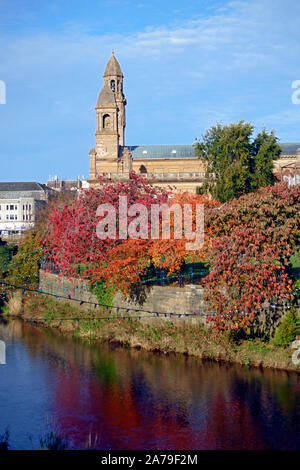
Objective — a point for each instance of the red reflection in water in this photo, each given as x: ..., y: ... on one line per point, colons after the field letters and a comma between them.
x: 134, y: 400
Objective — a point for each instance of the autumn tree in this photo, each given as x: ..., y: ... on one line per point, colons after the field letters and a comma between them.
x: 71, y: 239
x: 127, y: 263
x: 254, y: 238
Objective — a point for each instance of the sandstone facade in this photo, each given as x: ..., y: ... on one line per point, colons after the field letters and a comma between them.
x: 163, y: 165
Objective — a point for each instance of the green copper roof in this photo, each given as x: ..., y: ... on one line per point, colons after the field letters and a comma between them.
x: 186, y: 151
x: 290, y: 148
x: 162, y: 151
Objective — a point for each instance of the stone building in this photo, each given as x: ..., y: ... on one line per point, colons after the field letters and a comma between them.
x: 163, y: 165
x: 65, y: 185
x: 20, y: 206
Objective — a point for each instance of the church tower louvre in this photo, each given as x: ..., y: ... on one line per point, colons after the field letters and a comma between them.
x: 110, y: 121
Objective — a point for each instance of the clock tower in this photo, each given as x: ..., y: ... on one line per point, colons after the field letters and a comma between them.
x: 110, y: 120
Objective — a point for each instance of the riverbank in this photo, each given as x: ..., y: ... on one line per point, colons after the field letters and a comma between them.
x: 158, y: 335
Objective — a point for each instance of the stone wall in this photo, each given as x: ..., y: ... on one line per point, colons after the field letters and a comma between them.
x: 167, y: 299
x: 189, y: 299
x: 64, y: 287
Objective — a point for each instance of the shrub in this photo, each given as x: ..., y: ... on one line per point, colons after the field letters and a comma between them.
x: 25, y: 265
x: 103, y: 292
x: 253, y: 238
x: 287, y: 331
x: 7, y: 251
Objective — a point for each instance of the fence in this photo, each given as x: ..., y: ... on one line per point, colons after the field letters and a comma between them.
x: 188, y: 274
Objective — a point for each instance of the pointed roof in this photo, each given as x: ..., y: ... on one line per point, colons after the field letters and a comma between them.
x: 113, y: 67
x: 106, y: 97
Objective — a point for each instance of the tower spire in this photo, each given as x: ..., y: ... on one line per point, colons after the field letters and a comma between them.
x: 110, y: 118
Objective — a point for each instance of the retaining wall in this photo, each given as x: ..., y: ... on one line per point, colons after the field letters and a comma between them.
x: 179, y: 300
x: 162, y: 299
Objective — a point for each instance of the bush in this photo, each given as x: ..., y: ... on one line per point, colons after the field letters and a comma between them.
x: 287, y: 331
x: 253, y: 238
x: 103, y: 292
x: 7, y: 251
x: 25, y: 265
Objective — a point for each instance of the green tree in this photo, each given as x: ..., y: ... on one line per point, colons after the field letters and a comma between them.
x: 235, y: 163
x: 25, y: 265
x: 265, y: 150
x: 7, y: 251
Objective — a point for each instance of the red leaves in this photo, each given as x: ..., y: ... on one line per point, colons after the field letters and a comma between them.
x: 255, y: 236
x: 71, y: 234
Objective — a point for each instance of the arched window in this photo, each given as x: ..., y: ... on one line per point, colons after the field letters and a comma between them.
x: 106, y: 121
x: 113, y: 85
x: 143, y: 169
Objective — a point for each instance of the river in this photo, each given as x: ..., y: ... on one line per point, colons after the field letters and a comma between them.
x: 129, y: 399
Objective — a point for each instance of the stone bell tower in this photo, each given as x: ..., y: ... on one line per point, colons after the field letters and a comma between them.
x: 110, y: 122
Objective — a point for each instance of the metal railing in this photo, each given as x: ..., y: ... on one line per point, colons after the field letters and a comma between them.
x: 190, y: 273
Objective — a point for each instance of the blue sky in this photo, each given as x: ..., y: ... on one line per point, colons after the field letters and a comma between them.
x: 187, y: 64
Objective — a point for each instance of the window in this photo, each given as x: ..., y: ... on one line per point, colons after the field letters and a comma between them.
x: 106, y: 121
x: 7, y: 217
x: 11, y: 207
x: 143, y: 169
x: 113, y: 85
x: 11, y: 217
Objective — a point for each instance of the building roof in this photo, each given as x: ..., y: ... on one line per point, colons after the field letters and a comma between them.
x: 290, y: 148
x: 23, y: 189
x: 22, y: 186
x: 113, y: 67
x: 162, y: 151
x: 186, y: 151
x: 106, y: 97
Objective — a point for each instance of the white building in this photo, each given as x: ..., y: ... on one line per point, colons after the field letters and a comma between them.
x: 65, y: 185
x: 20, y: 205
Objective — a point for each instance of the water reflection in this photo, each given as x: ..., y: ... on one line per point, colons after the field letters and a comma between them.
x: 135, y: 400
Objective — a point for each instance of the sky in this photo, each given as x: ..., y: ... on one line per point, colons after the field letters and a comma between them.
x: 188, y: 64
